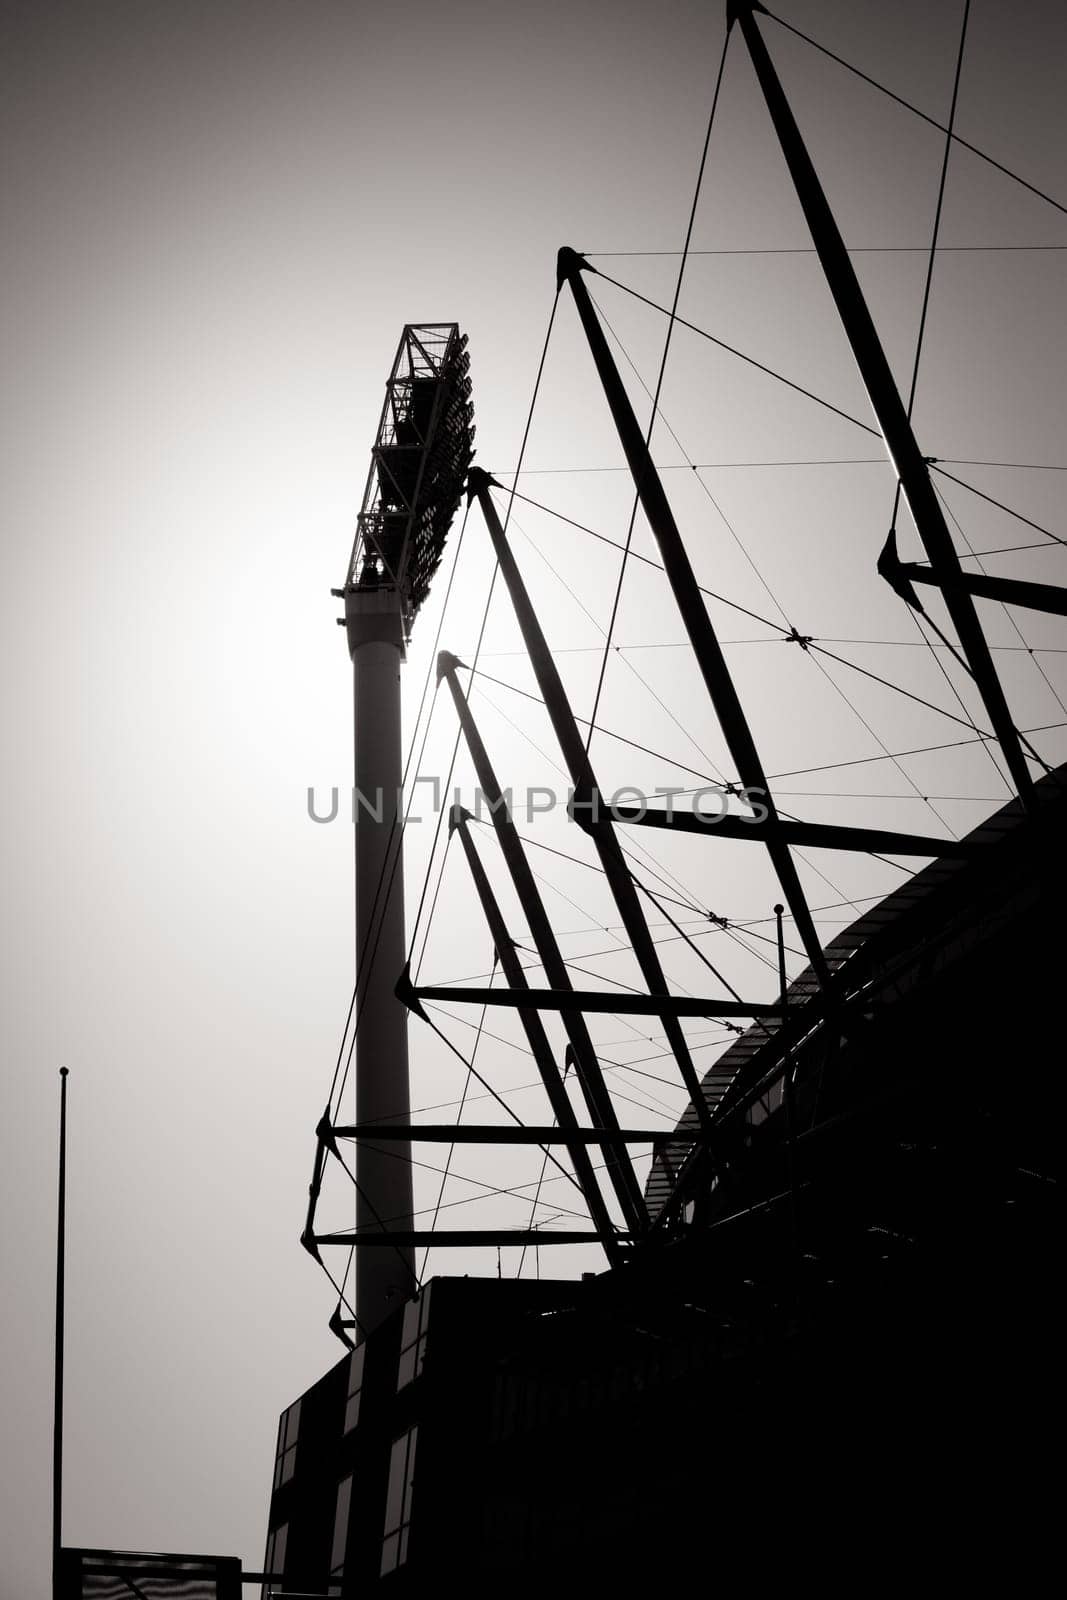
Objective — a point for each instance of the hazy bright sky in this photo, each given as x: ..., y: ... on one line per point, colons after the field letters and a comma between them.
x: 218, y: 215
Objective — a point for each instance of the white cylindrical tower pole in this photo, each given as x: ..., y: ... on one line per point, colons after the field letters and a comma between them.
x: 418, y: 466
x: 375, y: 624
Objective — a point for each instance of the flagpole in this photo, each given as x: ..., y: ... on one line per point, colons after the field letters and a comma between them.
x: 57, y: 1433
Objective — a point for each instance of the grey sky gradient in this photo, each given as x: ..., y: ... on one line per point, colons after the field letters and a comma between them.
x: 217, y: 218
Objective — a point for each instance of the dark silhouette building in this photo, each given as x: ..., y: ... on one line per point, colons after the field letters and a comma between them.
x: 833, y: 1356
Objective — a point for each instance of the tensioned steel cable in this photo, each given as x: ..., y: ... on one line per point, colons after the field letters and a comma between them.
x: 522, y: 1088
x: 656, y: 900
x: 932, y: 254
x: 1020, y: 466
x: 917, y: 644
x: 517, y: 1191
x: 934, y: 462
x: 935, y: 466
x: 481, y: 636
x: 856, y: 760
x: 919, y: 750
x: 689, y: 904
x: 780, y: 377
x: 490, y: 1190
x: 814, y: 643
x: 1023, y: 644
x: 459, y: 1118
x: 992, y: 749
x: 624, y: 948
x: 536, y: 1201
x: 484, y: 1083
x: 676, y: 466
x: 651, y: 862
x: 659, y: 380
x: 712, y: 968
x: 882, y: 89
x: 682, y: 766
x: 879, y: 741
x: 649, y: 561
x: 913, y: 387
x: 810, y: 250
x: 632, y: 744
x: 648, y: 860
x: 342, y: 1299
x: 788, y: 630
x: 1022, y: 637
x: 664, y: 707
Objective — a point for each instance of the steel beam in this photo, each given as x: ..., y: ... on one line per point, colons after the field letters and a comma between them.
x: 885, y: 400
x: 508, y: 1133
x: 586, y: 1065
x: 450, y: 1238
x: 690, y: 603
x: 584, y: 781
x: 533, y: 1028
x: 1010, y: 591
x: 815, y: 835
x: 617, y: 1002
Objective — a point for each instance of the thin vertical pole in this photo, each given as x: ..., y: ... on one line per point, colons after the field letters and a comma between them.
x: 790, y: 1109
x: 885, y: 399
x: 57, y: 1426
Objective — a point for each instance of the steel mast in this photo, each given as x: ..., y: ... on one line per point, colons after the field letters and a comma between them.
x: 419, y: 461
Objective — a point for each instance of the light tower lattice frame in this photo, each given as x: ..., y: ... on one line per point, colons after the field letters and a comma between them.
x: 419, y: 461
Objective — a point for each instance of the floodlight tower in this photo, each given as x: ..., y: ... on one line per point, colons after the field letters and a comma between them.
x: 418, y: 465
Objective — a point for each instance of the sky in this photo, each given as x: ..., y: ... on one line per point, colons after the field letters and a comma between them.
x: 217, y: 219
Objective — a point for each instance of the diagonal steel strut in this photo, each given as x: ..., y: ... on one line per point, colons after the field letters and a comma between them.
x: 534, y: 1028
x: 587, y: 1067
x: 586, y: 787
x: 885, y: 400
x: 694, y: 613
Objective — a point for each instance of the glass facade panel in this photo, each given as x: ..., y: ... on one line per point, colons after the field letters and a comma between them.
x: 355, y: 1385
x: 398, y: 1501
x: 394, y: 1498
x: 411, y: 1322
x: 340, y: 1526
x: 292, y: 1424
x: 274, y: 1560
x: 406, y: 1369
x: 413, y: 1338
x: 288, y: 1428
